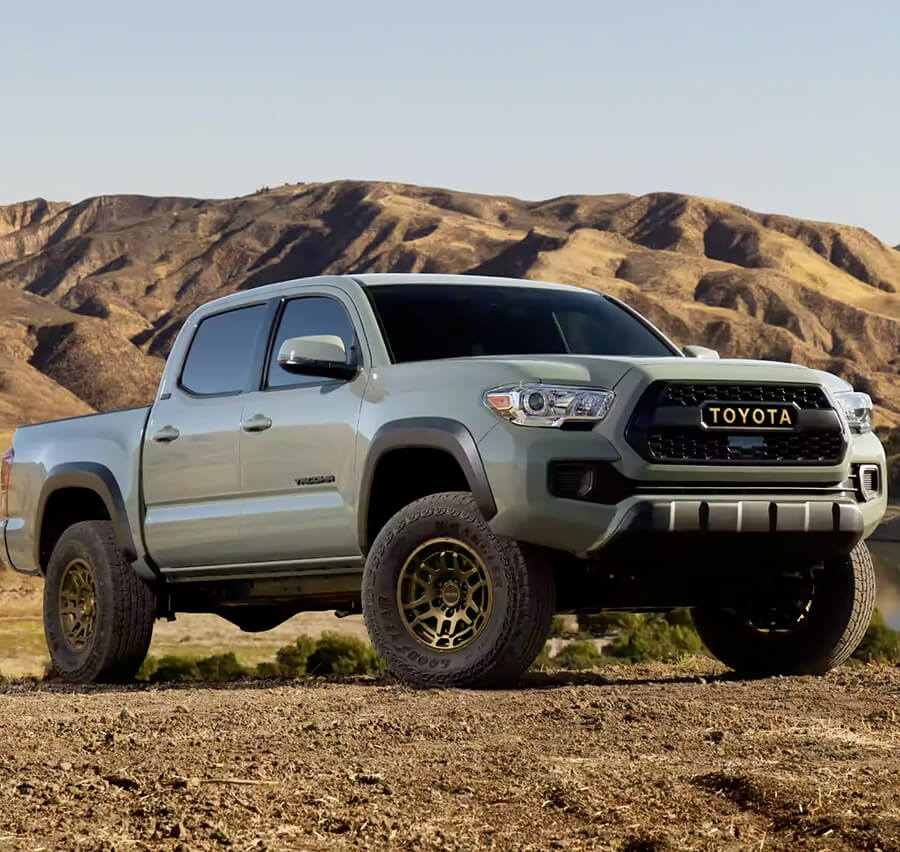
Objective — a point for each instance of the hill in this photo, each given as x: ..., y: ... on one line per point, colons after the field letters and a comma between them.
x: 92, y: 294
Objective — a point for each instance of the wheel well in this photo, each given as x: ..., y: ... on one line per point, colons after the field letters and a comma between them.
x: 405, y: 475
x: 64, y: 508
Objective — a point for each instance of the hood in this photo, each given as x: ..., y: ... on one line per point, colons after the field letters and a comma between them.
x: 607, y: 372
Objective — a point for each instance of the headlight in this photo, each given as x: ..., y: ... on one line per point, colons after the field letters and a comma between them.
x: 857, y: 408
x: 549, y: 405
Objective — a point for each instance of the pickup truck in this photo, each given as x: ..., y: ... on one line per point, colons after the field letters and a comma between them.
x: 458, y: 458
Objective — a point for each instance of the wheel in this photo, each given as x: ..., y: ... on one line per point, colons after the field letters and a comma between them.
x: 448, y: 603
x: 812, y: 622
x: 98, y: 614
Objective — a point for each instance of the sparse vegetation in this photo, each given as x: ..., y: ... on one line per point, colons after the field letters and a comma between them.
x: 582, y: 654
x: 881, y: 644
x: 604, y: 623
x: 170, y: 669
x: 655, y: 637
x: 332, y: 654
x: 559, y: 627
x: 291, y: 660
x: 637, y: 637
x: 336, y: 654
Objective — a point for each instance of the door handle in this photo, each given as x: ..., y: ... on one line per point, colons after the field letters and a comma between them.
x: 166, y: 435
x: 257, y: 423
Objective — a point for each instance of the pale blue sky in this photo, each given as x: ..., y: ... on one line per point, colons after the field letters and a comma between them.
x: 786, y: 107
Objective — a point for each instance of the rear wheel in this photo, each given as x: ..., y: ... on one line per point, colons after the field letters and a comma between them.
x: 448, y: 603
x: 812, y: 622
x: 98, y: 614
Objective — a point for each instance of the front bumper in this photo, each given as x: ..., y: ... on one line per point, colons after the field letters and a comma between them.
x: 713, y: 529
x: 684, y: 511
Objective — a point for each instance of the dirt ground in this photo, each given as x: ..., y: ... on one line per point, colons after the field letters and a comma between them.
x: 633, y: 758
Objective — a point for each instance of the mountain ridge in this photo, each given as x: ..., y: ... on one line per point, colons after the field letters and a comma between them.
x: 93, y: 293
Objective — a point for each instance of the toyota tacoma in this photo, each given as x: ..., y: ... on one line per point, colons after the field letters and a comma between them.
x: 458, y: 458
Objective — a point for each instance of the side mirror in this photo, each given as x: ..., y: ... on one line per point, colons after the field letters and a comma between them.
x: 699, y: 352
x: 316, y: 355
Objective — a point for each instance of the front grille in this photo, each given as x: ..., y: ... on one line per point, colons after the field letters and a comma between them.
x: 808, y: 397
x: 697, y: 445
x: 667, y: 425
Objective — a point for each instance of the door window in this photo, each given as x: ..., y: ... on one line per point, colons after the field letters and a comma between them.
x: 311, y: 315
x: 222, y: 352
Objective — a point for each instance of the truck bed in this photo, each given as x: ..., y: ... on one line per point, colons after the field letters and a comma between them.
x: 107, y: 445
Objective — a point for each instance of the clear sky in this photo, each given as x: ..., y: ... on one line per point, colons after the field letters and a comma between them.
x: 783, y: 106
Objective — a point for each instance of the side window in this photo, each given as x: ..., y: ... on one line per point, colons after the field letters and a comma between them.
x: 306, y: 316
x: 222, y: 352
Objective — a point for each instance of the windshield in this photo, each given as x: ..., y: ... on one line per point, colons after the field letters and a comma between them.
x: 428, y: 321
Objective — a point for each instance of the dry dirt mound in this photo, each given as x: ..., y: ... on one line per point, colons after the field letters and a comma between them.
x: 91, y: 292
x: 641, y: 759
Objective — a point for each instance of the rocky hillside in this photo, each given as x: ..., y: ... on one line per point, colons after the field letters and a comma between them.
x: 92, y: 294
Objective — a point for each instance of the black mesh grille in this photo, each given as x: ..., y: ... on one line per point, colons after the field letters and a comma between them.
x: 667, y: 425
x: 692, y: 394
x: 696, y: 445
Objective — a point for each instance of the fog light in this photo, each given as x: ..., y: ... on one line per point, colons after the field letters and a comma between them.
x: 869, y: 481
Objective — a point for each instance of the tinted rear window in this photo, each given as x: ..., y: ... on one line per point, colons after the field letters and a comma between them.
x: 428, y: 321
x: 222, y: 352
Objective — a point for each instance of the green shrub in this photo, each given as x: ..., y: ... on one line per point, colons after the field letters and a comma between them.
x: 147, y: 669
x: 654, y: 637
x: 604, y: 623
x: 680, y: 616
x: 174, y: 669
x: 577, y: 655
x: 220, y: 668
x: 337, y: 654
x: 881, y: 644
x: 543, y: 660
x: 268, y: 670
x: 559, y: 627
x: 292, y: 659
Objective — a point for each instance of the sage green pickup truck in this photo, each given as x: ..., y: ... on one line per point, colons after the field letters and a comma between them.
x: 458, y: 458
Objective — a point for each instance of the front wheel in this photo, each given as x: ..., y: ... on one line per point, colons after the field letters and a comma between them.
x: 809, y: 623
x: 98, y: 614
x: 449, y: 604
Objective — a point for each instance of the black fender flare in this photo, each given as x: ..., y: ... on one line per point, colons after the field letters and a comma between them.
x: 93, y: 477
x: 437, y: 433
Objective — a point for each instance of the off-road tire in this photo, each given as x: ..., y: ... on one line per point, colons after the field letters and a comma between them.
x: 839, y: 616
x: 523, y: 598
x: 125, y: 608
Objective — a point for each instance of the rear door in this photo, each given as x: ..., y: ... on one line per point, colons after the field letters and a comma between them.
x: 191, y: 470
x: 297, y: 473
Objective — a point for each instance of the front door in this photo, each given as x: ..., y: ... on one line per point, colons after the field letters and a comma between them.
x: 298, y: 446
x: 191, y: 474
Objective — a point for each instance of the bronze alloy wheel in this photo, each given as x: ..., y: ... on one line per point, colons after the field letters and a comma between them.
x: 77, y: 604
x: 444, y: 594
